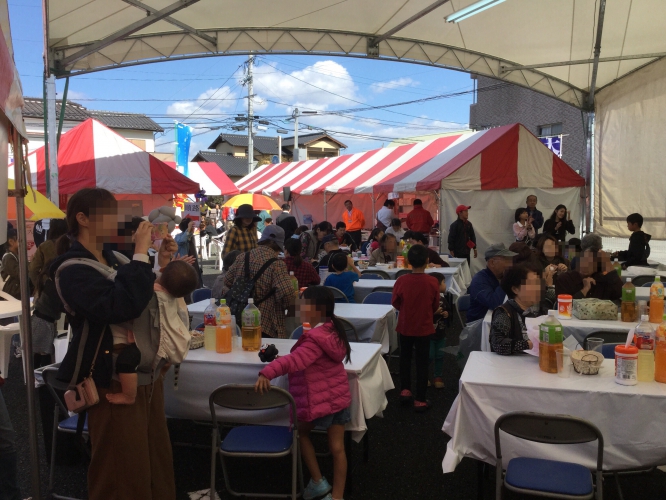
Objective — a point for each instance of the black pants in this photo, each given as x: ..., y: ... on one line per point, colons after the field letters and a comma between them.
x: 356, y: 236
x: 422, y: 347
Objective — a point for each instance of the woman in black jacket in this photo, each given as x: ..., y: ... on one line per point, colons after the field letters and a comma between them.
x: 131, y: 451
x: 559, y: 223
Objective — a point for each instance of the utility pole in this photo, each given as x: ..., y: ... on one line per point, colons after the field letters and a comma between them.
x: 250, y: 116
x: 279, y: 148
x: 295, y: 116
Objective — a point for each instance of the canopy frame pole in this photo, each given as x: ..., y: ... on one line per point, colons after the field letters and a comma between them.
x: 373, y: 198
x: 25, y: 326
x: 47, y: 170
x: 124, y: 33
x: 63, y: 104
x: 590, y: 118
x: 374, y: 42
x: 325, y: 207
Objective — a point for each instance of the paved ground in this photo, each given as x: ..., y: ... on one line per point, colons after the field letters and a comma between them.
x: 406, y: 450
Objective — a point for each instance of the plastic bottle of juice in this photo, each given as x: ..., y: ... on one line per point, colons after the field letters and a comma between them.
x: 550, y: 339
x: 251, y: 330
x: 644, y: 338
x: 629, y: 312
x: 617, y: 266
x: 223, y: 328
x: 660, y: 353
x: 656, y: 301
x: 209, y: 326
x: 294, y: 281
x: 405, y: 250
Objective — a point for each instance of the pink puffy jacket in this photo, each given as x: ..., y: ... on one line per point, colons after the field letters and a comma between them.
x: 317, y: 378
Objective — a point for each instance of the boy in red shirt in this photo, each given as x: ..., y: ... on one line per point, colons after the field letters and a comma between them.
x: 416, y: 296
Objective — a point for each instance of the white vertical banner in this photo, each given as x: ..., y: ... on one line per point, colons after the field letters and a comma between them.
x: 52, y: 137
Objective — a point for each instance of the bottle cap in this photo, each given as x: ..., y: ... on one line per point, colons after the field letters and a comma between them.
x: 212, y: 301
x: 223, y: 302
x: 628, y: 280
x: 552, y: 312
x: 644, y: 317
x: 250, y: 300
x: 291, y: 273
x: 657, y: 278
x: 306, y: 326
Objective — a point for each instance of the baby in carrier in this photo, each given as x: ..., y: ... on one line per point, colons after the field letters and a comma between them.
x: 178, y: 280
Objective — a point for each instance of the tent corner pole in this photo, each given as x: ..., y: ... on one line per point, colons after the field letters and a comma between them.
x: 25, y: 326
x: 63, y: 104
x: 325, y: 207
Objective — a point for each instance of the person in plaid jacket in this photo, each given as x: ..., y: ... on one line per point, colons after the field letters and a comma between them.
x: 243, y: 235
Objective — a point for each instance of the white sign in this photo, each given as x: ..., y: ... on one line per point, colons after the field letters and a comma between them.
x: 193, y: 211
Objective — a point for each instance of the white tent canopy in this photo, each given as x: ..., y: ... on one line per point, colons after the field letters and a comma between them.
x: 546, y: 46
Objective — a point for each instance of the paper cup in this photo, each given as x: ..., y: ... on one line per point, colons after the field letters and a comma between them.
x: 564, y: 363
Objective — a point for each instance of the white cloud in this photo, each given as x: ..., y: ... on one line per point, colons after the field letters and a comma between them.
x: 73, y: 95
x: 319, y: 86
x: 211, y: 102
x: 380, y: 87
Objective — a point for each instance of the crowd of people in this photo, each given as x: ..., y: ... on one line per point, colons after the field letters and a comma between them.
x: 114, y: 278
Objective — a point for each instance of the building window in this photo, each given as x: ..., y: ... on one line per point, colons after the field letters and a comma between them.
x: 549, y: 130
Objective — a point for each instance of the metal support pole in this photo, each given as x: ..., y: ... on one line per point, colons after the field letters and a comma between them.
x: 26, y: 334
x: 325, y: 207
x: 63, y: 105
x: 374, y: 214
x: 295, y: 114
x: 47, y: 170
x: 280, y: 152
x: 52, y: 145
x: 250, y: 117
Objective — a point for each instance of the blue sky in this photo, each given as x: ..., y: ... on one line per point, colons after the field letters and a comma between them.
x: 208, y: 92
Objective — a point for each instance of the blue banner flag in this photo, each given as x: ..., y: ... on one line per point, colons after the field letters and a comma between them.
x: 554, y: 143
x: 183, y: 138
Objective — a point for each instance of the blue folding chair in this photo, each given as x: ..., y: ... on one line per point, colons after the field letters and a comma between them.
x: 608, y: 350
x: 372, y: 276
x: 462, y: 305
x: 548, y: 478
x: 378, y: 298
x: 201, y: 294
x: 296, y: 334
x: 250, y: 441
x: 338, y: 295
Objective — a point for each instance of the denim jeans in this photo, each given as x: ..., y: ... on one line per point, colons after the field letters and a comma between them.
x: 8, y: 483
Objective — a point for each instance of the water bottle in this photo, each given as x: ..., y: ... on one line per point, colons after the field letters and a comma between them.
x: 294, y: 281
x: 629, y: 311
x: 644, y: 338
x: 223, y: 328
x: 617, y: 266
x: 210, y: 325
x: 251, y: 330
x: 550, y: 340
x: 660, y: 353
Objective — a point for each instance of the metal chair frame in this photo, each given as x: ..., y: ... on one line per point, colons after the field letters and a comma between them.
x: 642, y: 279
x: 459, y: 311
x: 549, y: 429
x: 402, y: 272
x: 388, y: 289
x: 377, y: 272
x: 53, y: 384
x: 244, y: 397
x: 609, y: 336
x: 338, y: 294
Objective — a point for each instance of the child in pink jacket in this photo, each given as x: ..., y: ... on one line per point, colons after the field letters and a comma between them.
x: 318, y: 382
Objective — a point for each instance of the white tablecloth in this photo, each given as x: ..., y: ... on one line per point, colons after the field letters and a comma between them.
x: 373, y: 323
x: 455, y: 282
x: 576, y: 327
x: 491, y: 385
x: 464, y: 269
x: 203, y: 371
x: 8, y: 309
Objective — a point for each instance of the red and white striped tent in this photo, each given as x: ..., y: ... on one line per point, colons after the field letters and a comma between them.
x: 493, y: 170
x: 93, y: 155
x: 210, y: 178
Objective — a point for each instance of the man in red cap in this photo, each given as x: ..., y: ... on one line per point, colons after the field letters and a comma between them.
x: 419, y: 219
x: 461, y: 235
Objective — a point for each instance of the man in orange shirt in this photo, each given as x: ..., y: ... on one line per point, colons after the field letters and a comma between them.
x: 419, y: 219
x: 355, y: 221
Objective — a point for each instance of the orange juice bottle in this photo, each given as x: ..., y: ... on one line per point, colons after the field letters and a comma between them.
x: 660, y: 353
x: 656, y: 300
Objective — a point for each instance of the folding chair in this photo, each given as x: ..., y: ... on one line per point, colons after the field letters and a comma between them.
x: 402, y: 272
x: 296, y: 334
x: 201, y: 294
x: 338, y: 295
x: 388, y: 289
x: 462, y: 305
x: 609, y: 336
x: 642, y: 280
x: 350, y: 330
x: 67, y: 425
x: 266, y: 441
x: 548, y: 478
x: 376, y: 274
x: 378, y: 298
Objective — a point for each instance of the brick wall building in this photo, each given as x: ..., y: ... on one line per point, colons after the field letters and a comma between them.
x: 542, y: 115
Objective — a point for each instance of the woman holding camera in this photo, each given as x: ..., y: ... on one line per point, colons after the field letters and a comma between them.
x: 131, y: 451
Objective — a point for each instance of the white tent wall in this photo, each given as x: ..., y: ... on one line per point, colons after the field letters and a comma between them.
x: 492, y: 213
x: 4, y: 140
x: 630, y: 152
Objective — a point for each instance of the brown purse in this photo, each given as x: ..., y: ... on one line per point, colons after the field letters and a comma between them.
x: 83, y: 395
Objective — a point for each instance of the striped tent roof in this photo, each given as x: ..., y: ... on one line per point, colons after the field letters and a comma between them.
x: 498, y: 158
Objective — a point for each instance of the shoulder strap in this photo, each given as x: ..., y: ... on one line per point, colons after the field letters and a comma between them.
x: 258, y: 275
x: 79, y: 354
x: 247, y: 265
x: 105, y: 271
